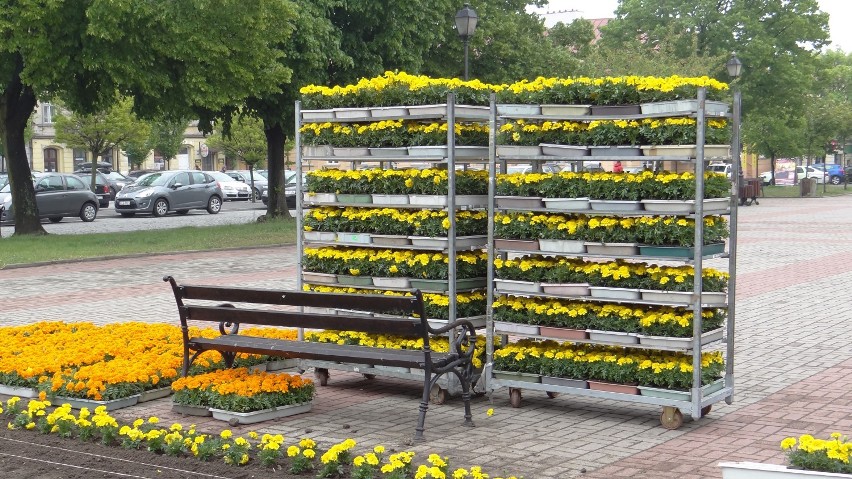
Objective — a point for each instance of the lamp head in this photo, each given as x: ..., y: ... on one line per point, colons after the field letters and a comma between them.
x: 466, y: 19
x: 734, y: 66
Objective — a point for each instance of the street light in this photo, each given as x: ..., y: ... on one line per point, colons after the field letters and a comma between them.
x: 466, y: 19
x: 735, y: 68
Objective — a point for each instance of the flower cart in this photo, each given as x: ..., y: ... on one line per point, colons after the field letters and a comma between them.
x: 404, y: 227
x: 642, y: 335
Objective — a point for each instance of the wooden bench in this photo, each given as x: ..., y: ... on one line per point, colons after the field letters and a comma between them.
x: 196, y: 303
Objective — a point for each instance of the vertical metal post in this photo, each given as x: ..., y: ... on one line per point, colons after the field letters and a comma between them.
x: 736, y: 149
x: 492, y: 191
x: 466, y: 45
x: 451, y: 206
x: 300, y: 246
x: 697, y: 319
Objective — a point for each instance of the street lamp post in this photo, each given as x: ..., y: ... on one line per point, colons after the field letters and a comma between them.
x: 735, y: 67
x: 466, y: 19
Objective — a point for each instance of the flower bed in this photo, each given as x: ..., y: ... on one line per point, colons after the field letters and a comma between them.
x: 392, y: 263
x: 390, y: 133
x: 665, y: 321
x: 603, y: 363
x: 391, y: 221
x: 437, y: 305
x: 239, y: 390
x: 826, y: 455
x: 104, y: 363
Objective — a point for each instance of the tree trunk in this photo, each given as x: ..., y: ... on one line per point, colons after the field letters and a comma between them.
x: 16, y: 105
x: 277, y: 207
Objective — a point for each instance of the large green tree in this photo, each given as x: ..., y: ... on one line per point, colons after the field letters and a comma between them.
x: 99, y: 132
x: 169, y: 56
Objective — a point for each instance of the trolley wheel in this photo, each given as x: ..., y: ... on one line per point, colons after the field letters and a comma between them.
x: 322, y: 376
x: 552, y: 394
x: 671, y: 417
x: 438, y: 395
x: 515, y: 397
x: 370, y: 376
x: 706, y: 410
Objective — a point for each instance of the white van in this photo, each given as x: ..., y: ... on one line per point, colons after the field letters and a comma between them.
x: 725, y: 168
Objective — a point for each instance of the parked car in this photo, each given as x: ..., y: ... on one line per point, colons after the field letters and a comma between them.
x: 545, y: 168
x: 102, y: 188
x: 114, y: 179
x: 724, y: 168
x: 289, y: 190
x: 3, y: 180
x: 173, y: 190
x: 134, y: 175
x: 836, y: 173
x: 231, y: 188
x: 802, y: 172
x: 58, y: 195
x: 245, y: 176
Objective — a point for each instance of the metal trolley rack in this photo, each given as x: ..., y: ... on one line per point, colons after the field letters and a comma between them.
x: 700, y: 399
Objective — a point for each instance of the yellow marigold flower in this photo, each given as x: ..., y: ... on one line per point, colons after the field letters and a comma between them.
x: 490, y: 412
x: 225, y: 434
x: 788, y: 443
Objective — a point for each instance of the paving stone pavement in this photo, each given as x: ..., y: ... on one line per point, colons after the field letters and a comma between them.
x: 792, y: 360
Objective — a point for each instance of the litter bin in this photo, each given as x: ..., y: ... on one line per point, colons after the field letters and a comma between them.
x: 808, y: 187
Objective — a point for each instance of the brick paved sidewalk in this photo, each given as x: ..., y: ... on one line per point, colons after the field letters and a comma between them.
x: 792, y: 356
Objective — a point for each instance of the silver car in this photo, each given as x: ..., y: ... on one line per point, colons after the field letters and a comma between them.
x: 58, y: 195
x: 161, y: 192
x: 245, y: 176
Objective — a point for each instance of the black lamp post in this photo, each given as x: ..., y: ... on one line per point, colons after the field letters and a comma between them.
x: 466, y: 19
x: 735, y: 68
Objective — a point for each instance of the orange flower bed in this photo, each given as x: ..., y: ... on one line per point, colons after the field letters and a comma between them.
x: 242, y: 391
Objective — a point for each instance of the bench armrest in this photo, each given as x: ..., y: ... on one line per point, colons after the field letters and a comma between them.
x: 466, y: 337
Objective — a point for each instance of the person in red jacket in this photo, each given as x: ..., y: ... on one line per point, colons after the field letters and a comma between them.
x: 617, y: 167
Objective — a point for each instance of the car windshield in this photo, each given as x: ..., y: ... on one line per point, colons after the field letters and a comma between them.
x: 263, y: 173
x: 3, y: 181
x: 114, y: 175
x: 6, y: 188
x: 717, y: 168
x: 153, y: 179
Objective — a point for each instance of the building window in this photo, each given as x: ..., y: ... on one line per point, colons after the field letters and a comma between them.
x: 48, y: 112
x: 50, y: 159
x: 79, y: 158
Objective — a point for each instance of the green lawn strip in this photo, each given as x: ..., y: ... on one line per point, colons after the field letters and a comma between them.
x: 38, y: 249
x: 795, y: 191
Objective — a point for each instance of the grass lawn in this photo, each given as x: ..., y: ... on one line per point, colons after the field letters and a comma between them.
x: 25, y: 250
x: 794, y: 191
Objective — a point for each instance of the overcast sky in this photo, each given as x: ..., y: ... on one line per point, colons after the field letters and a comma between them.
x: 838, y: 10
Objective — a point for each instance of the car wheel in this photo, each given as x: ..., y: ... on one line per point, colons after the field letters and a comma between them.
x: 182, y: 212
x: 161, y: 207
x: 127, y: 215
x: 214, y: 205
x: 835, y: 180
x: 55, y: 219
x: 256, y: 194
x: 88, y: 212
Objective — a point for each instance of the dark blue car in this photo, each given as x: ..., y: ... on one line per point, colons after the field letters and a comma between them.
x: 835, y: 171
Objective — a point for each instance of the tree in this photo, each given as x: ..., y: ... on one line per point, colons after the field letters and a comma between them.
x: 168, y: 56
x: 576, y: 36
x: 167, y: 137
x: 98, y: 132
x: 138, y: 147
x: 245, y: 141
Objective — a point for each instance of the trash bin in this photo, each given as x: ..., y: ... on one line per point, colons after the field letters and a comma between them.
x: 808, y: 187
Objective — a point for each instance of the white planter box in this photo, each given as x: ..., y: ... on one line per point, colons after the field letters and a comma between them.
x: 236, y: 418
x: 428, y: 151
x: 317, y: 151
x: 379, y: 200
x: 518, y: 201
x: 562, y: 246
x: 564, y: 151
x: 362, y: 238
x: 565, y: 382
x: 509, y: 285
x: 518, y: 150
x: 112, y: 405
x: 320, y: 197
x: 20, y: 392
x: 668, y: 206
x: 390, y: 240
x: 754, y: 470
x: 317, y: 115
x: 682, y: 297
x: 566, y: 110
x: 391, y: 282
x: 615, y: 205
x: 713, y: 205
x: 566, y: 289
x: 684, y: 106
x: 388, y: 112
x: 352, y: 113
x: 350, y: 152
x: 471, y: 201
x: 614, y: 293
x: 153, y: 394
x: 613, y: 337
x: 320, y: 236
x: 682, y: 343
x: 502, y: 326
x: 436, y: 201
x: 323, y: 278
x: 515, y: 109
x: 389, y: 152
x: 189, y: 410
x: 567, y: 204
x: 615, y: 151
x: 690, y: 151
x: 470, y: 152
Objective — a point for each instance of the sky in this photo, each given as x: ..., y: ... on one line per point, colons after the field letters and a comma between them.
x: 838, y: 10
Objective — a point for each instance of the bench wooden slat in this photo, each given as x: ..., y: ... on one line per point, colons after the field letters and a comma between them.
x: 309, y: 350
x: 292, y: 319
x: 366, y: 302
